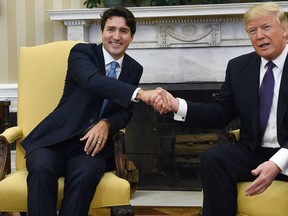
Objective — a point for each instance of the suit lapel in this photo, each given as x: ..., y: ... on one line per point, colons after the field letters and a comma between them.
x: 283, y: 95
x: 101, y: 65
x: 125, y: 70
x: 123, y: 75
x: 100, y: 58
x: 252, y: 90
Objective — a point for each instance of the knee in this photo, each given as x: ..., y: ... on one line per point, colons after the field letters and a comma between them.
x: 43, y: 170
x: 91, y: 175
x: 212, y: 156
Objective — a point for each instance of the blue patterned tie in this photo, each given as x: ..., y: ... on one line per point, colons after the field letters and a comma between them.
x: 266, y: 97
x: 112, y: 71
x: 112, y: 74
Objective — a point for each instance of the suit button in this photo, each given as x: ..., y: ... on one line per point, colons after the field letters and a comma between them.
x: 91, y: 120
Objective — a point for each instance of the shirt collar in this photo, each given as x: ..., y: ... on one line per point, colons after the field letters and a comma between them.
x: 108, y: 58
x: 279, y: 61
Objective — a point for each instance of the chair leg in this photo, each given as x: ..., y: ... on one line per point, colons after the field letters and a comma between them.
x: 122, y: 211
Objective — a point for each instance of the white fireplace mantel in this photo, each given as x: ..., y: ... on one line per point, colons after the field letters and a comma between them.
x: 160, y: 11
x: 175, y: 44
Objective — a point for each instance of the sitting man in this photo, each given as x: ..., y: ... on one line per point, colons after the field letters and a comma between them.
x: 260, y: 100
x: 75, y: 140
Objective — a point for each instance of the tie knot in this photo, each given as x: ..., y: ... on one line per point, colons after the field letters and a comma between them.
x: 112, y: 70
x: 114, y: 64
x: 270, y: 65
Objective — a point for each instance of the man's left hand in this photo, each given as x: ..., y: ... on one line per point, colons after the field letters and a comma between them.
x: 266, y: 173
x: 96, y: 138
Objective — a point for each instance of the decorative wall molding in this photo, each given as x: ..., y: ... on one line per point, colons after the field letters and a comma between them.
x: 189, y: 33
x: 83, y: 18
x: 161, y: 11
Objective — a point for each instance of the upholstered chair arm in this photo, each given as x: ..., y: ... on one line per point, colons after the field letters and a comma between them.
x: 233, y: 136
x: 11, y: 134
x: 6, y: 138
x: 125, y: 168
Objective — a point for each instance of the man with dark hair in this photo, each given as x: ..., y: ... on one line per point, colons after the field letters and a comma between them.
x: 75, y: 140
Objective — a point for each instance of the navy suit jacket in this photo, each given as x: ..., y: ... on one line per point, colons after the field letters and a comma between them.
x: 86, y: 86
x: 239, y: 98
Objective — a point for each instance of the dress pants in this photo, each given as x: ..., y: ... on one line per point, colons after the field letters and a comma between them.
x: 82, y: 174
x: 222, y: 167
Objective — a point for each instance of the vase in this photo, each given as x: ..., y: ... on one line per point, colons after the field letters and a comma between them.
x: 113, y: 3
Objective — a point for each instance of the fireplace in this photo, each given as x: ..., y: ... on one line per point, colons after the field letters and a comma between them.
x: 184, y: 49
x: 166, y: 153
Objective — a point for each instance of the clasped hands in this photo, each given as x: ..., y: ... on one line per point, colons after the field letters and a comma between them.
x: 160, y: 99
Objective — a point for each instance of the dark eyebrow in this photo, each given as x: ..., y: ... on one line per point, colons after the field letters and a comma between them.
x: 124, y: 28
x: 110, y: 27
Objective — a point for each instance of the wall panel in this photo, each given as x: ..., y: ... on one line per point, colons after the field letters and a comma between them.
x: 25, y: 23
x: 3, y: 42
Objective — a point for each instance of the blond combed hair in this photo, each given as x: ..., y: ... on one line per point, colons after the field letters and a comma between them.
x: 265, y: 9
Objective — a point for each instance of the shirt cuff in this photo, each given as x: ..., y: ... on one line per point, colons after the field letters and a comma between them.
x: 280, y: 158
x: 133, y: 98
x: 182, y: 111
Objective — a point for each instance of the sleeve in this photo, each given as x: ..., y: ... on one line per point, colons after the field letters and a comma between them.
x: 281, y: 160
x: 182, y: 111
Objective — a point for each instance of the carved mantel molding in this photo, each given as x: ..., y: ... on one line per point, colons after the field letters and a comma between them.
x: 78, y: 22
x: 189, y: 43
x: 161, y: 11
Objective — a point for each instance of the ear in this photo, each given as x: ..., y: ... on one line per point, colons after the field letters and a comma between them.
x: 285, y: 30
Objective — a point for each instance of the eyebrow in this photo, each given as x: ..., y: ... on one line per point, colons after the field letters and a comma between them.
x: 125, y: 28
x: 121, y: 28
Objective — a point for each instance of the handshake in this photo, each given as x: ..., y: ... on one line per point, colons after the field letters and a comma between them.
x: 160, y: 99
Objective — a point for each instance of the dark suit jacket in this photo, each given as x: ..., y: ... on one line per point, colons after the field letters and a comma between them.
x: 239, y: 97
x: 86, y: 86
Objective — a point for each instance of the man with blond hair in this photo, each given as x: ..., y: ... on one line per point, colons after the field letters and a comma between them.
x: 255, y: 90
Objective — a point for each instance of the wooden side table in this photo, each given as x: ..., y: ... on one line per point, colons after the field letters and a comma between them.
x: 4, y: 114
x: 4, y: 124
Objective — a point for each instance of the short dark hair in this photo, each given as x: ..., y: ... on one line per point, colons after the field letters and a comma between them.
x: 120, y: 12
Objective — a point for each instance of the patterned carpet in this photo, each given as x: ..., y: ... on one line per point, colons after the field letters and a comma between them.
x: 164, y: 211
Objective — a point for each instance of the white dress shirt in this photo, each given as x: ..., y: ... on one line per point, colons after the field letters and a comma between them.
x: 108, y: 59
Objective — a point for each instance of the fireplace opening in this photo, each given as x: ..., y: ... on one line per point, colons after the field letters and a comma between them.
x: 167, y: 154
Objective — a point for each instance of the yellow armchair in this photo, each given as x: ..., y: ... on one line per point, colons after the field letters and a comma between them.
x: 272, y: 202
x: 42, y: 71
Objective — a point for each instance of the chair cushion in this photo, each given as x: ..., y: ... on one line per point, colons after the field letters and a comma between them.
x: 274, y: 201
x: 13, y: 192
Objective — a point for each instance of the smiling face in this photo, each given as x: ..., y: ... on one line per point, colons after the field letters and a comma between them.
x: 116, y: 36
x: 267, y: 36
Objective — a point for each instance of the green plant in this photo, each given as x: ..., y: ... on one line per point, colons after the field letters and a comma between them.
x: 92, y: 3
x: 163, y: 2
x: 169, y: 2
x: 136, y: 2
